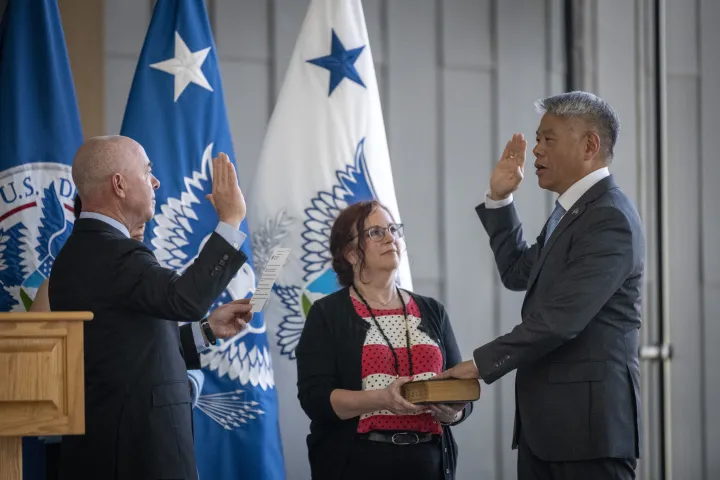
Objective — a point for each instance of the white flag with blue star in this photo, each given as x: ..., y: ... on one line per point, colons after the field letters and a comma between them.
x: 325, y: 148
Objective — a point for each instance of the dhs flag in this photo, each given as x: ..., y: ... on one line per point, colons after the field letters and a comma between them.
x: 177, y: 113
x: 325, y: 149
x: 39, y: 134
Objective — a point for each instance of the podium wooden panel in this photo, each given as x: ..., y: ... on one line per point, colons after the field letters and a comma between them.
x: 41, y: 380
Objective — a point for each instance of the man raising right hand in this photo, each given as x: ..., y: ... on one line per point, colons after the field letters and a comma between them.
x: 138, y: 412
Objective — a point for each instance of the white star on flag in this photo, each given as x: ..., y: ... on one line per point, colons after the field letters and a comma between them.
x: 185, y: 66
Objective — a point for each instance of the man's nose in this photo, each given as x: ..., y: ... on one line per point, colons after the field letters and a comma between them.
x: 155, y: 183
x: 536, y: 150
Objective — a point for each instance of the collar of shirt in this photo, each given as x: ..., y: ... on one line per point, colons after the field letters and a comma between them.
x: 578, y: 189
x: 110, y: 221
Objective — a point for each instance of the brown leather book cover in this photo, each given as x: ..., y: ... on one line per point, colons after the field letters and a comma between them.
x: 449, y: 390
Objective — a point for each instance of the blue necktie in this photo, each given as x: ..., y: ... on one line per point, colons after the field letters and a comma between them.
x: 554, y: 219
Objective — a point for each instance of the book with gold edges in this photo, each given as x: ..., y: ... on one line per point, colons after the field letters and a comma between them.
x: 447, y: 390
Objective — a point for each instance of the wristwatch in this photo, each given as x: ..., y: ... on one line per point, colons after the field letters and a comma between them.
x: 207, y: 331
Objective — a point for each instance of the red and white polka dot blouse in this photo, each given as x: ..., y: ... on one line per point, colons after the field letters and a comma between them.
x: 378, y: 365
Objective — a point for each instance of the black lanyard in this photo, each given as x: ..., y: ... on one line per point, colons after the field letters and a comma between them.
x: 387, y: 340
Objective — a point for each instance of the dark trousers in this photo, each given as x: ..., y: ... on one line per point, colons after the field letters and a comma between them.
x: 53, y: 461
x: 386, y: 461
x: 530, y: 467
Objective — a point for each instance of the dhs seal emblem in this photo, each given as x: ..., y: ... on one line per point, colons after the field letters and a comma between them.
x: 36, y: 218
x: 319, y: 279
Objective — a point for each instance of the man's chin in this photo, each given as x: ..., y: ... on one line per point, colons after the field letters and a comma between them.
x: 544, y: 183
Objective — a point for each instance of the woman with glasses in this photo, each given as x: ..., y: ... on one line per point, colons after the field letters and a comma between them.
x: 359, y: 346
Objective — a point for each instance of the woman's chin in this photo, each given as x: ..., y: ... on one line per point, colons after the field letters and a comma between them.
x: 391, y: 261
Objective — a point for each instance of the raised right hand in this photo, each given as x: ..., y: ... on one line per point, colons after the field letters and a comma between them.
x: 226, y: 197
x: 395, y: 402
x: 508, y: 172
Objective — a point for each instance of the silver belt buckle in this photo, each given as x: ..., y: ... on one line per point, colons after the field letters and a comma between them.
x: 417, y: 438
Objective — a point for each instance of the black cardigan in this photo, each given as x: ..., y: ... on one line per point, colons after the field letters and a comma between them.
x: 329, y: 356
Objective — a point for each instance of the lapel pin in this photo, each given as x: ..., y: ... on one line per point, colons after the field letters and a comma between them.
x: 575, y: 212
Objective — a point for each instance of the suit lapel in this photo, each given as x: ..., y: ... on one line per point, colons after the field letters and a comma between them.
x: 571, y: 215
x: 566, y: 221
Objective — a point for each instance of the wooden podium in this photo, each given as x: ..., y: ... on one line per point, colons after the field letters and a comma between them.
x: 41, y: 380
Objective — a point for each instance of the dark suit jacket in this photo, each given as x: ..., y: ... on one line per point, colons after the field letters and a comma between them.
x: 137, y: 402
x: 576, y: 350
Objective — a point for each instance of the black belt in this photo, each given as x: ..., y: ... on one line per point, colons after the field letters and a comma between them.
x: 399, y: 438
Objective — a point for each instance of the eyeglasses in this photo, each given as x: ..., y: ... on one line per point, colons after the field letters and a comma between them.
x: 377, y: 233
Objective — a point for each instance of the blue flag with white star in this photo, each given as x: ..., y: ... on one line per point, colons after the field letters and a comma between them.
x: 176, y: 111
x: 327, y: 137
x: 39, y: 134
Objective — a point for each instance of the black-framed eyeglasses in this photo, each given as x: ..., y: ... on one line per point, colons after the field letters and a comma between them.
x: 377, y: 233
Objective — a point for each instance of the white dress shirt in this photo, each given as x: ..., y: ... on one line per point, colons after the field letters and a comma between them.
x: 232, y: 235
x: 567, y: 199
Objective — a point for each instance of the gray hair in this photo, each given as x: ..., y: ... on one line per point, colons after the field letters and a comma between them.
x: 590, y: 108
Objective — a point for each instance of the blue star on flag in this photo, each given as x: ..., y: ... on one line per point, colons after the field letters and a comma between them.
x: 340, y: 63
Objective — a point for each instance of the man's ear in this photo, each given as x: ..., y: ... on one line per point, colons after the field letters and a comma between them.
x: 119, y: 185
x: 592, y: 145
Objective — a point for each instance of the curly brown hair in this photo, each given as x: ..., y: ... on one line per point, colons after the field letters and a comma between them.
x: 343, y: 233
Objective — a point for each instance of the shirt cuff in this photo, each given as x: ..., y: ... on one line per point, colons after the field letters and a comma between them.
x: 490, y: 203
x: 200, y: 344
x: 196, y: 379
x: 476, y: 368
x: 231, y: 235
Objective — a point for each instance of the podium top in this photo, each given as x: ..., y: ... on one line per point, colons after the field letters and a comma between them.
x: 45, y: 316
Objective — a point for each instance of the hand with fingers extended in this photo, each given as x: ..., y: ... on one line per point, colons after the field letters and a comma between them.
x: 393, y: 400
x: 508, y: 172
x: 226, y: 197
x: 462, y: 370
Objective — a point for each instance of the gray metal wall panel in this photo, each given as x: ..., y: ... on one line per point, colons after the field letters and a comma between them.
x: 412, y: 123
x: 374, y: 20
x: 241, y: 30
x: 684, y: 176
x: 683, y: 54
x: 685, y: 308
x: 467, y: 33
x: 470, y: 265
x: 709, y: 19
x: 617, y: 80
x: 126, y: 24
x: 246, y: 87
x: 710, y: 144
x: 287, y: 18
x: 119, y: 72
